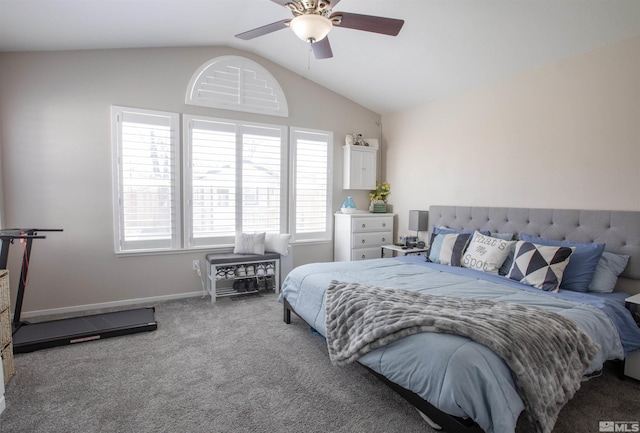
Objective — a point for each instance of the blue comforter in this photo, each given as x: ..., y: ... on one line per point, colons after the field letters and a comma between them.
x: 455, y: 374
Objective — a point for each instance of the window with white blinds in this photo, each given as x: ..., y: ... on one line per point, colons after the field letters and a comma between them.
x: 311, y: 153
x: 263, y: 195
x: 235, y: 179
x: 212, y: 188
x: 146, y: 179
x: 230, y: 176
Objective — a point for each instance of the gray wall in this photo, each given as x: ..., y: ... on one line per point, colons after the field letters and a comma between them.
x: 56, y: 164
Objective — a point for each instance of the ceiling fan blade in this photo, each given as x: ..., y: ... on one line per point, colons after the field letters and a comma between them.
x: 369, y: 23
x: 322, y: 49
x: 261, y: 31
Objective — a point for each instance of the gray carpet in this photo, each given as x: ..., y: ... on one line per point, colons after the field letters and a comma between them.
x: 235, y: 367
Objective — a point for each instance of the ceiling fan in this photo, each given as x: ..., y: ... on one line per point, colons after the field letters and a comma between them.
x: 313, y: 19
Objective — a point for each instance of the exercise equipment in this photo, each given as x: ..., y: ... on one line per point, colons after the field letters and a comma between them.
x: 28, y: 337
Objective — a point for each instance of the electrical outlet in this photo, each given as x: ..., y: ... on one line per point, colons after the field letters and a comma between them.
x: 196, y: 265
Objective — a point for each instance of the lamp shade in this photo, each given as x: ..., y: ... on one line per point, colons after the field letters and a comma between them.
x: 418, y: 220
x: 311, y: 27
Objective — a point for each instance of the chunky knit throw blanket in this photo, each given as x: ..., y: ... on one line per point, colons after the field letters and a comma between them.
x: 547, y: 353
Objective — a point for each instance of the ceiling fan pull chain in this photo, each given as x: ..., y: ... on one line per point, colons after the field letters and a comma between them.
x: 309, y: 57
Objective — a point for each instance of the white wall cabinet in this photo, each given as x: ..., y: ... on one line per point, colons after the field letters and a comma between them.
x: 360, y: 236
x: 360, y: 163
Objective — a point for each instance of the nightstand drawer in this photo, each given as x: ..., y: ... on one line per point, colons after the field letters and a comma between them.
x: 365, y: 253
x: 369, y: 240
x: 372, y: 224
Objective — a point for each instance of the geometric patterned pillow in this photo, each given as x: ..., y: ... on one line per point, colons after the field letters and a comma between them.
x: 584, y: 261
x: 539, y: 265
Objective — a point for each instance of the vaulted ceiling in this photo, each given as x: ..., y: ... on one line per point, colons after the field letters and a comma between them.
x: 445, y: 46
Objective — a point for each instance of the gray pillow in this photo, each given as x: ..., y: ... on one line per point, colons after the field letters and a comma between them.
x: 503, y: 236
x: 606, y: 275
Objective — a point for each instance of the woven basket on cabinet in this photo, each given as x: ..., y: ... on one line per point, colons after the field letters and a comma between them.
x: 4, y: 290
x: 379, y: 207
x: 8, y: 368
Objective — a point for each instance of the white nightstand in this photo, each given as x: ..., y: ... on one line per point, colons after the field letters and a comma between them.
x: 632, y: 362
x: 402, y: 251
x: 632, y: 300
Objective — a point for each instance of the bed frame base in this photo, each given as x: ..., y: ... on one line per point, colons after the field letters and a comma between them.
x: 448, y: 423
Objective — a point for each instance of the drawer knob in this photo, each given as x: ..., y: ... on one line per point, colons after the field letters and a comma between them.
x: 384, y: 239
x: 384, y: 224
x: 364, y: 257
x: 364, y: 225
x: 363, y: 241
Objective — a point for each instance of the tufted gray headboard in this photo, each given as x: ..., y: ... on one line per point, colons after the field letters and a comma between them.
x: 619, y: 230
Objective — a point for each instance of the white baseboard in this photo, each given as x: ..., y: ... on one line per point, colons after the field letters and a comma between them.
x: 88, y: 307
x: 3, y: 404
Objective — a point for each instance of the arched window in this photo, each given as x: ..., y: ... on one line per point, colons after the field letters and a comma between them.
x: 236, y: 83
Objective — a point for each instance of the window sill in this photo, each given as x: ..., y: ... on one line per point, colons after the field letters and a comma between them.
x: 216, y: 249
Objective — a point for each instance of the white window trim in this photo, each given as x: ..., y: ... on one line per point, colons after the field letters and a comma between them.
x: 118, y: 216
x: 180, y: 241
x: 191, y: 243
x: 311, y: 237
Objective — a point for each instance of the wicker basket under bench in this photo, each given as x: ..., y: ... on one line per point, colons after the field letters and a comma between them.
x: 219, y: 288
x: 6, y: 346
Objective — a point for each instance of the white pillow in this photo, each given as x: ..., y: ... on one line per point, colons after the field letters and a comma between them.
x: 249, y: 243
x: 277, y: 243
x: 486, y: 253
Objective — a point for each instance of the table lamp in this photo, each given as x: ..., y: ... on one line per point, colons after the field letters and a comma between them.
x: 418, y: 221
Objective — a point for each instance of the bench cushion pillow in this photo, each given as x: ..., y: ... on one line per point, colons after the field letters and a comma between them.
x: 277, y: 243
x: 249, y: 243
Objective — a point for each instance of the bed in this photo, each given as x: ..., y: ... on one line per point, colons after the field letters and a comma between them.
x: 456, y: 378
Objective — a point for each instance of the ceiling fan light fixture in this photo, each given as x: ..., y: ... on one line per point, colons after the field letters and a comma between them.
x: 311, y: 27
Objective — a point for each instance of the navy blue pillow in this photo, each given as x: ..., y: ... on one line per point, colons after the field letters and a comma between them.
x: 582, y: 263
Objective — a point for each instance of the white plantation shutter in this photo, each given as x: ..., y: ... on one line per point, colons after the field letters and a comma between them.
x: 262, y: 195
x: 146, y: 179
x: 312, y: 176
x: 236, y: 83
x: 213, y: 179
x: 235, y: 181
x: 231, y: 176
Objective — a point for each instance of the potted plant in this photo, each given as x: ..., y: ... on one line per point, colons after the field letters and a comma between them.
x: 379, y: 197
